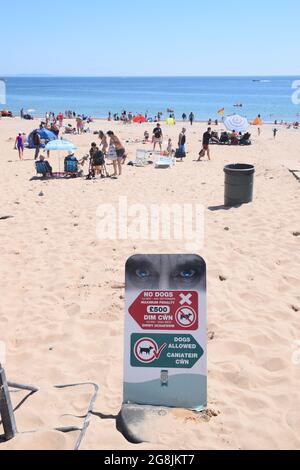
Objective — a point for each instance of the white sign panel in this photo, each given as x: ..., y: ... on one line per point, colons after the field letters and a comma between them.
x: 165, y: 334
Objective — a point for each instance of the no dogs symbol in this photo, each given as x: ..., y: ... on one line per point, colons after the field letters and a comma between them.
x: 146, y: 350
x: 186, y: 317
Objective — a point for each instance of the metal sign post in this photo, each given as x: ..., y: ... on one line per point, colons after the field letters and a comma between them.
x: 6, y: 409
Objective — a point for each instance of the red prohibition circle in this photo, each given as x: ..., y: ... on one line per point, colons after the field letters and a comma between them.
x: 155, y: 350
x: 179, y: 311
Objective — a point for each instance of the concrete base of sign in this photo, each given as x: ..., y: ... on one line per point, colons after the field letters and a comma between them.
x: 135, y: 421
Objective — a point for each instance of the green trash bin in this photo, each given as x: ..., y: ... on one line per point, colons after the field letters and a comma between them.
x: 239, y: 183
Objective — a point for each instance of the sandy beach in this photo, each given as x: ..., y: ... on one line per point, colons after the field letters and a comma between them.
x: 62, y: 293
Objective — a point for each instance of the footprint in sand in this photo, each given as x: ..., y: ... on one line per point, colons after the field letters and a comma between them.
x: 73, y: 309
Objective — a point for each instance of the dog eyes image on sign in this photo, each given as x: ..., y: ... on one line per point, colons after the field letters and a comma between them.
x: 164, y: 272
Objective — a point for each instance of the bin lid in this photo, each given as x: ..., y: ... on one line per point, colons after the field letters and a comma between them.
x: 241, y: 168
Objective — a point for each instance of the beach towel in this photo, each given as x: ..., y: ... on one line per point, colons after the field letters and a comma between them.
x: 112, y: 153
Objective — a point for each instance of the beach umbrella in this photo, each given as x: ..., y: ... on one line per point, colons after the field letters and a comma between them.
x: 139, y: 119
x: 44, y: 134
x: 47, y: 135
x: 60, y: 146
x: 236, y: 123
x: 257, y: 121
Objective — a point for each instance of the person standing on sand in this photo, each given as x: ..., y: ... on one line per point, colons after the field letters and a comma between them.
x: 22, y: 113
x: 191, y: 118
x: 259, y: 121
x: 19, y: 145
x: 117, y: 160
x: 104, y: 143
x: 36, y: 140
x: 79, y: 122
x: 206, y: 141
x: 181, y: 143
x: 60, y: 119
x: 157, y: 137
x: 275, y: 133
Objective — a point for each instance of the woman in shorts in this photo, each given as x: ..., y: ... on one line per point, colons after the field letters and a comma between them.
x: 116, y: 153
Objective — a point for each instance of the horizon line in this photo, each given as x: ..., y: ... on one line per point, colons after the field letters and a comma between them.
x: 141, y: 76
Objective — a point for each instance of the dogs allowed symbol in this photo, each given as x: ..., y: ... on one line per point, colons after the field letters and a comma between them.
x: 146, y: 350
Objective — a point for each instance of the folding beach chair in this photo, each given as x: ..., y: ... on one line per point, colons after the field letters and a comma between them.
x: 41, y: 169
x: 71, y: 166
x: 141, y: 158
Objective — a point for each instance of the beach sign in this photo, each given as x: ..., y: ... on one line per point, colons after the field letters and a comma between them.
x: 165, y: 331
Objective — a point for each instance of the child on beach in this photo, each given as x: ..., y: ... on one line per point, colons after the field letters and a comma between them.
x: 104, y: 143
x: 170, y: 148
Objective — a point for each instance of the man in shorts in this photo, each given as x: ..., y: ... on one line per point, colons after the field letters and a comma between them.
x: 157, y: 137
x: 206, y: 141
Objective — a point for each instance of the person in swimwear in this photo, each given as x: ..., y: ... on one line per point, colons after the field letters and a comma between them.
x: 19, y: 145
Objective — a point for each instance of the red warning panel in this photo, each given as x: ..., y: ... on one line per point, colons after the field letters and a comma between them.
x: 166, y: 310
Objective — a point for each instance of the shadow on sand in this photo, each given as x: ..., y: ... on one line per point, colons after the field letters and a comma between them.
x: 223, y: 208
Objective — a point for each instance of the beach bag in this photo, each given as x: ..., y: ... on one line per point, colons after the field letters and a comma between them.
x: 112, y: 153
x: 180, y: 154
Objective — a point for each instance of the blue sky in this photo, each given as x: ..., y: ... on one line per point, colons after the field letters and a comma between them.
x: 143, y: 37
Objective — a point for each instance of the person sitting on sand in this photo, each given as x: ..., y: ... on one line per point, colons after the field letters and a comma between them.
x: 224, y: 139
x: 19, y: 145
x: 215, y: 138
x: 146, y: 136
x: 234, y: 138
x: 48, y: 167
x: 69, y: 129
